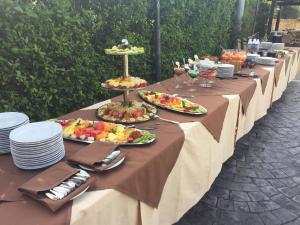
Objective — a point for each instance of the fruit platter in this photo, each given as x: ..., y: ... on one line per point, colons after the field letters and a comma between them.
x: 124, y: 49
x: 125, y: 83
x: 127, y: 112
x: 172, y: 102
x: 89, y: 131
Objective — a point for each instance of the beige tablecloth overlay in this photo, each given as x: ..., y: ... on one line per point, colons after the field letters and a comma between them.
x: 198, y: 164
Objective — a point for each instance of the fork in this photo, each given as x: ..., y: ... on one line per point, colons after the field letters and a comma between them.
x: 163, y: 119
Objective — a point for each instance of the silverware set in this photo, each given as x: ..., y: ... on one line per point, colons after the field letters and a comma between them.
x: 61, y: 191
x: 106, y: 161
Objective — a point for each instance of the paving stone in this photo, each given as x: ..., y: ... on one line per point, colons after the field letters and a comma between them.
x: 284, y: 215
x: 288, y: 182
x: 290, y: 192
x: 210, y: 200
x: 269, y: 190
x: 255, y: 207
x: 261, y: 182
x: 219, y: 192
x: 239, y: 196
x: 269, y: 205
x: 225, y: 204
x: 258, y: 196
x: 297, y: 198
x: 276, y: 183
x: 241, y: 206
x: 269, y: 219
x: 295, y: 222
x: 240, y: 179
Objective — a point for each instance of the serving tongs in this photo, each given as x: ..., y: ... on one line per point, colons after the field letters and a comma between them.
x: 241, y: 74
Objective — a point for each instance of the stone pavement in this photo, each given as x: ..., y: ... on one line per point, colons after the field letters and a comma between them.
x: 260, y: 183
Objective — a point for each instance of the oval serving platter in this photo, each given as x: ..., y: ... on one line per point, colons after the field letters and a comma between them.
x: 70, y: 134
x: 152, y: 112
x: 202, y: 112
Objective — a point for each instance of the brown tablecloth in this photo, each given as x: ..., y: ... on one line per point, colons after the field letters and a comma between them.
x: 143, y: 174
x: 287, y: 58
x: 30, y: 212
x: 13, y: 203
x: 245, y: 87
x: 262, y: 74
x: 213, y: 120
x: 277, y: 70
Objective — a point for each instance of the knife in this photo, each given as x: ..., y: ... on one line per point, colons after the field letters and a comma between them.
x: 108, y: 159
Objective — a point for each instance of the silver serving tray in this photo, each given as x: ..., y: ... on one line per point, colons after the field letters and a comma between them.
x: 121, y: 89
x: 121, y: 144
x: 122, y: 122
x: 168, y: 108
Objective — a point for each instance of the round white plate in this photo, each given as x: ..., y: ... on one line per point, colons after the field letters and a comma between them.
x: 11, y: 119
x: 36, y: 132
x: 26, y: 153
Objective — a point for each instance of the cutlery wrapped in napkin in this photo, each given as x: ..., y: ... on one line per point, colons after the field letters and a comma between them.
x: 98, y: 156
x: 57, y: 185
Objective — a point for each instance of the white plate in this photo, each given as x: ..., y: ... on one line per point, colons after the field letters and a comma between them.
x: 36, y: 132
x: 39, y: 161
x: 9, y: 129
x: 44, y: 152
x: 33, y: 167
x: 11, y: 119
x: 76, y: 196
x: 37, y: 144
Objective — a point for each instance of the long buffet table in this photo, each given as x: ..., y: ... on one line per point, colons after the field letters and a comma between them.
x: 198, y: 164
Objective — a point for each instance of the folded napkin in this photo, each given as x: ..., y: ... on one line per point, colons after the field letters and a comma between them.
x: 50, y: 178
x: 92, y: 155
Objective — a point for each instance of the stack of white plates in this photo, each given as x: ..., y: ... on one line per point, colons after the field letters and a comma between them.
x: 8, y: 122
x: 225, y: 70
x: 277, y: 46
x: 37, y: 145
x: 252, y: 56
x: 266, y: 61
x: 266, y: 45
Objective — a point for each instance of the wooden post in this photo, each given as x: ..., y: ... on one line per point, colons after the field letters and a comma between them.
x: 278, y: 19
x: 271, y: 17
x: 255, y: 15
x: 157, y: 44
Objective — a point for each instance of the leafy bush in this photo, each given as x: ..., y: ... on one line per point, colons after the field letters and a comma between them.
x: 51, y: 51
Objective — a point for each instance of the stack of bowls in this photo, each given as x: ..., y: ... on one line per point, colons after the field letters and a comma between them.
x: 8, y: 122
x: 37, y: 145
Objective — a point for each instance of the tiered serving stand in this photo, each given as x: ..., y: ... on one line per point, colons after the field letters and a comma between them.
x: 126, y: 100
x: 126, y: 69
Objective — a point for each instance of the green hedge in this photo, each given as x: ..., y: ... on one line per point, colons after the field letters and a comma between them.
x: 51, y: 51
